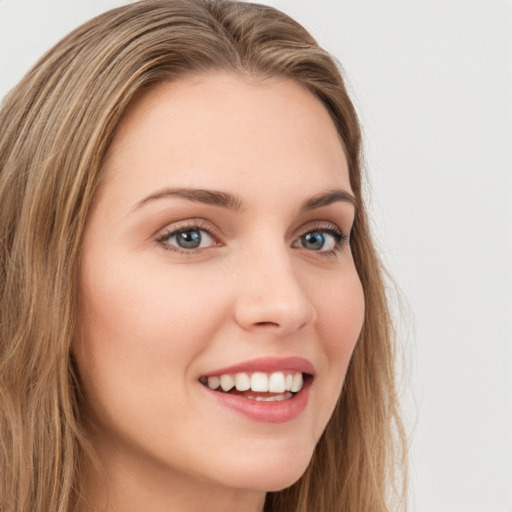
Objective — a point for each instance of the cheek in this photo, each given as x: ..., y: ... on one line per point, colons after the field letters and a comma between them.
x: 139, y: 332
x: 340, y: 318
x: 340, y: 312
x: 146, y: 309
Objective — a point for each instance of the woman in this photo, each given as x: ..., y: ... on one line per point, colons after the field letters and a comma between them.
x: 192, y: 312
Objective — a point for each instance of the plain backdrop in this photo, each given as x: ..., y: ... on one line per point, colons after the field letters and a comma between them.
x: 432, y: 81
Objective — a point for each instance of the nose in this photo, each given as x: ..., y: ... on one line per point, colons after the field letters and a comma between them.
x: 270, y: 295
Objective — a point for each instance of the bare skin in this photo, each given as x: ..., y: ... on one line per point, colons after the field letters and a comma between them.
x: 271, y: 276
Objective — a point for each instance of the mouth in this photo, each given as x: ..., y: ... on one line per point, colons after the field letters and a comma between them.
x: 266, y: 390
x: 259, y: 386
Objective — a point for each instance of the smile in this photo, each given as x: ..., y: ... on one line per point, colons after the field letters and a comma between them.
x: 269, y: 390
x: 260, y: 386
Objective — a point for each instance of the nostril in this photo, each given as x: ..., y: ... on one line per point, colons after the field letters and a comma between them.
x: 277, y: 311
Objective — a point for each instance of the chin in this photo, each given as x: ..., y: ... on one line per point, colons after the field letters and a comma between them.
x: 275, y: 474
x: 283, y: 481
x: 269, y: 481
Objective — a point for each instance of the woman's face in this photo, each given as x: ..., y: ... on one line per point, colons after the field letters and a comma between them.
x: 217, y: 254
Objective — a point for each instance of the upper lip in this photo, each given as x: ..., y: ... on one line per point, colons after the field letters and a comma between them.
x: 268, y: 365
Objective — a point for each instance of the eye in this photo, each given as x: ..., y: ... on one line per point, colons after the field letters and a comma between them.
x: 322, y: 240
x: 317, y: 241
x: 187, y: 239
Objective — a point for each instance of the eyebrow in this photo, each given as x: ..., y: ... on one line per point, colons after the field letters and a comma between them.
x: 232, y: 202
x: 327, y: 198
x: 197, y: 195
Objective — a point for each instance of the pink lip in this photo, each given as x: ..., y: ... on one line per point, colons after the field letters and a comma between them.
x: 267, y: 364
x: 266, y: 412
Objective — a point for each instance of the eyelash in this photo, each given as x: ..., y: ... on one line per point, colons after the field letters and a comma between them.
x: 190, y: 226
x: 340, y: 237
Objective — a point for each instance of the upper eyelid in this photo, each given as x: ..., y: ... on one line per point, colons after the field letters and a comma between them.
x: 183, y: 225
x: 320, y: 225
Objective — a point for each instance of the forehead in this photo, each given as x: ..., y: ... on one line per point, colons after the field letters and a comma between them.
x: 222, y: 130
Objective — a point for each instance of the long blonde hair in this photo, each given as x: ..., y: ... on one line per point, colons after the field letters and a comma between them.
x: 56, y: 128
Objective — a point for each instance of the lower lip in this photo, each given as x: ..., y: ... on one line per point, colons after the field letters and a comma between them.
x: 265, y: 412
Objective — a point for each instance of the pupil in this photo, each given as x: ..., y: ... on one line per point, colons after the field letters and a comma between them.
x: 314, y: 240
x: 189, y: 239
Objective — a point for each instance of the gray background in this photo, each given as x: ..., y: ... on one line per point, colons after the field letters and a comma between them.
x: 432, y: 81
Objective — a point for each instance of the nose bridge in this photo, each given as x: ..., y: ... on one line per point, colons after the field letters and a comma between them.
x: 270, y: 292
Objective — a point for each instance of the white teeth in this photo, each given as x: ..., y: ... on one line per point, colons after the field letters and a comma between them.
x: 297, y: 383
x: 259, y: 382
x: 288, y: 382
x: 273, y: 398
x: 242, y: 382
x: 213, y: 382
x: 276, y: 383
x: 227, y: 382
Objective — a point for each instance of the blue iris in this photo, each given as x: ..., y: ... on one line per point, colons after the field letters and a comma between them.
x: 314, y: 240
x: 190, y: 239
